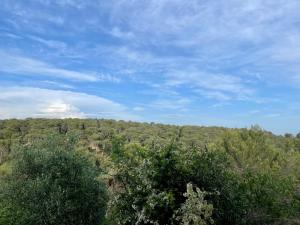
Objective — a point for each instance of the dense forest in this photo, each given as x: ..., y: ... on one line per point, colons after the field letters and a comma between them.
x: 95, y: 171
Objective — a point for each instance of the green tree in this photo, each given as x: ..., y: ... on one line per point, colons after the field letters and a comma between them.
x: 51, y: 184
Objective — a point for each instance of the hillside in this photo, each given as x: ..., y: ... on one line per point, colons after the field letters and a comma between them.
x: 239, y: 176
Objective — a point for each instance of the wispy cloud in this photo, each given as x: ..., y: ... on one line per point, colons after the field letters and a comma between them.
x: 25, y: 66
x: 220, y: 96
x: 57, y: 84
x: 59, y: 45
x: 171, y: 104
x: 218, y: 86
x: 117, y: 32
x: 221, y: 33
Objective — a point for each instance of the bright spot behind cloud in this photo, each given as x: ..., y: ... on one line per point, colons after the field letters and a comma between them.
x: 21, y: 102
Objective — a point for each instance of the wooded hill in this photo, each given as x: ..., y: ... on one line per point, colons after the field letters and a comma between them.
x: 166, y: 174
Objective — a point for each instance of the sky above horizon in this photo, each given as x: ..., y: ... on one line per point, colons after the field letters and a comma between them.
x: 232, y: 63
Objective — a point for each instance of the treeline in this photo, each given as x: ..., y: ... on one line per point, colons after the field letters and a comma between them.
x: 101, y: 132
x: 85, y: 172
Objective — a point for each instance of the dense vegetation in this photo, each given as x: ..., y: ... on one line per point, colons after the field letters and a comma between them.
x: 76, y: 171
x: 50, y: 184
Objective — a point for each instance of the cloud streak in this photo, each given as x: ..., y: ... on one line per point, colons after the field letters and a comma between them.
x: 215, y: 86
x: 14, y: 64
x: 22, y: 102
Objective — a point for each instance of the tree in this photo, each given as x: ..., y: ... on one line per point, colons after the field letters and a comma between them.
x: 288, y: 135
x: 51, y: 184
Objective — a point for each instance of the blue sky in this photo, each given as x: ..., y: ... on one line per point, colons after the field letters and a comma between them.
x: 228, y: 63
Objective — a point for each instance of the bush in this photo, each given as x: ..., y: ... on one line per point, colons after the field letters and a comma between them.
x: 153, y: 186
x: 51, y: 184
x: 152, y: 189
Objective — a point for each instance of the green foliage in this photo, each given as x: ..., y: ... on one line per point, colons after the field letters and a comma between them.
x: 272, y: 198
x: 195, y: 210
x: 238, y: 176
x: 152, y: 186
x: 210, y: 171
x: 153, y: 189
x: 143, y: 198
x: 51, y: 184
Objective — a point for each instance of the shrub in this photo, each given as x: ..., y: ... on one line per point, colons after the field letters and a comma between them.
x: 51, y: 184
x: 153, y: 185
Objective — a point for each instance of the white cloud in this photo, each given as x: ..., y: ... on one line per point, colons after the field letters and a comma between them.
x: 258, y: 35
x: 271, y: 115
x: 59, y: 45
x: 222, y: 33
x: 217, y: 86
x: 57, y: 84
x: 220, y: 96
x: 138, y: 109
x: 178, y: 103
x: 22, y: 102
x: 117, y: 32
x: 25, y: 66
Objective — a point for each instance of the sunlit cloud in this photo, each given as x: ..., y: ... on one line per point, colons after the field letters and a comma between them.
x: 22, y: 102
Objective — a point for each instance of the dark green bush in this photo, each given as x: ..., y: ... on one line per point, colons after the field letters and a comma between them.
x: 51, y: 184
